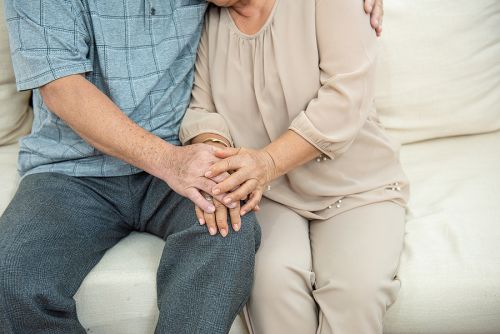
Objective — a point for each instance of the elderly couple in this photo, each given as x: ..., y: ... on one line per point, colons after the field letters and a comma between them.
x: 272, y: 101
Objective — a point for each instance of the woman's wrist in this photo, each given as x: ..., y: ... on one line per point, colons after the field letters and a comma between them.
x: 210, y: 138
x: 271, y: 167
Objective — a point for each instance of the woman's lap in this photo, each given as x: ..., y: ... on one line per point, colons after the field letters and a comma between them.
x: 345, y: 265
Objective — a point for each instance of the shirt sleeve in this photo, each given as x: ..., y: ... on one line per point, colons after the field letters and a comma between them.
x: 201, y: 115
x: 48, y: 40
x: 347, y: 47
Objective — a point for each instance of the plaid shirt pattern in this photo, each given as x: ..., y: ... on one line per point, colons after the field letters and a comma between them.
x: 140, y: 53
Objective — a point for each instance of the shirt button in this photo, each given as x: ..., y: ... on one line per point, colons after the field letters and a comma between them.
x: 153, y: 11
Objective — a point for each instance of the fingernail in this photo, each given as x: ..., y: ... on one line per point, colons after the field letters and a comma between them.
x: 232, y: 205
x: 227, y: 200
x: 212, y: 231
x: 208, y: 174
x: 202, y: 222
x: 211, y: 209
x: 216, y: 191
x: 236, y: 227
x: 376, y: 23
x: 243, y: 213
x: 223, y: 232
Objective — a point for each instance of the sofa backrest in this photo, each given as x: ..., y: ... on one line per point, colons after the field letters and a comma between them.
x: 439, y: 68
x: 15, y: 113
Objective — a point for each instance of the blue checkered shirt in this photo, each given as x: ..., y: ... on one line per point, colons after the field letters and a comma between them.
x: 140, y: 53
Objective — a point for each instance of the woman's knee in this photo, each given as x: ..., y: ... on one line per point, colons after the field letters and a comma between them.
x: 358, y: 293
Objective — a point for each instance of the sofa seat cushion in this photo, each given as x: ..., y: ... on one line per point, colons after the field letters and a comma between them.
x: 450, y: 268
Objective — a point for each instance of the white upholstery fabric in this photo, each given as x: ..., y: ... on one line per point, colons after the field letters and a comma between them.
x: 8, y: 174
x: 15, y: 113
x: 450, y: 268
x: 439, y: 68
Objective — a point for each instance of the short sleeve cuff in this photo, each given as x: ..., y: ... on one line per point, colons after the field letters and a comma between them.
x: 197, y: 122
x: 304, y: 128
x: 53, y: 74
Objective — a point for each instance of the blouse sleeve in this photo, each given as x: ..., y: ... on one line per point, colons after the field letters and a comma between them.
x: 347, y: 47
x: 201, y: 115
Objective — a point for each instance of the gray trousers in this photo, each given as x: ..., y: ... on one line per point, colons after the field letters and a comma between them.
x: 57, y: 228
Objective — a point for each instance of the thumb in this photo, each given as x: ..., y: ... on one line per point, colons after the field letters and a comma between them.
x: 226, y: 152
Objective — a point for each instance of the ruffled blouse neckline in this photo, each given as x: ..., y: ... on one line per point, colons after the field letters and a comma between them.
x: 234, y: 28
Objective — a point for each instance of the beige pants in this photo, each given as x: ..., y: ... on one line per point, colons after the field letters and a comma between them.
x: 333, y: 276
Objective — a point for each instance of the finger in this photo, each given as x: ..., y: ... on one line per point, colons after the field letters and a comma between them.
x: 210, y: 221
x: 379, y: 31
x: 204, y: 184
x: 235, y: 217
x: 244, y: 190
x: 226, y: 152
x: 368, y: 6
x: 226, y: 165
x: 220, y: 178
x: 252, y: 203
x: 200, y: 201
x: 200, y: 215
x: 232, y: 182
x: 376, y: 15
x: 221, y: 218
x: 207, y: 186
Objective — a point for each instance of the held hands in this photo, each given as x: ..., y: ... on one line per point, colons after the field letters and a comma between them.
x: 186, y: 166
x: 251, y: 171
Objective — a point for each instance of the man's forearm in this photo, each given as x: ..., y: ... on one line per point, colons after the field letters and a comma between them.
x: 103, y: 125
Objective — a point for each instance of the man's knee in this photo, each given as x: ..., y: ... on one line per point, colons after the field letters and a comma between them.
x: 276, y: 277
x: 249, y: 235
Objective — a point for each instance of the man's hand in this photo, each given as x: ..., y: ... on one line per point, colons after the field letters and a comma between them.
x: 376, y: 10
x: 183, y: 170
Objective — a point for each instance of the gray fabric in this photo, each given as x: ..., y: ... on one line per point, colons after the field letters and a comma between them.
x: 58, y: 227
x: 140, y: 56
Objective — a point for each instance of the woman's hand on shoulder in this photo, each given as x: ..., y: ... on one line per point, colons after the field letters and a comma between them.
x: 251, y: 171
x: 376, y: 10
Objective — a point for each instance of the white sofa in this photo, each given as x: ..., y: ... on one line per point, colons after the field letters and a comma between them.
x: 439, y: 94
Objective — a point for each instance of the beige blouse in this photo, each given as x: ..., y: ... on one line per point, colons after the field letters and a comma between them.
x: 309, y: 69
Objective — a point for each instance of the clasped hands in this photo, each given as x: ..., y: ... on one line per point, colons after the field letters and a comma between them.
x: 244, y: 175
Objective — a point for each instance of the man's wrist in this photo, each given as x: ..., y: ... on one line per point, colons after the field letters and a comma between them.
x: 161, y: 165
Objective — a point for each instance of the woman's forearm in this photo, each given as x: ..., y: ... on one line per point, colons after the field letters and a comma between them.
x: 290, y: 151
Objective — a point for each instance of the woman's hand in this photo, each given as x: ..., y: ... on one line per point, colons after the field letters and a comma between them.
x: 376, y: 10
x: 217, y: 221
x: 251, y: 171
